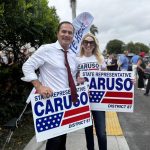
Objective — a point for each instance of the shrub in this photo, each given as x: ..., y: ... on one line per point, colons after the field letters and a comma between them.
x: 13, y: 92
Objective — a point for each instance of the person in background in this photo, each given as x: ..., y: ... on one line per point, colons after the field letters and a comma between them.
x: 109, y: 62
x: 50, y: 61
x: 134, y: 61
x: 123, y: 61
x: 114, y: 65
x: 147, y: 70
x: 90, y: 53
x: 141, y: 69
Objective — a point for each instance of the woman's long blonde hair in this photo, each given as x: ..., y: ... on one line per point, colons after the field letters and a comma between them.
x: 96, y: 50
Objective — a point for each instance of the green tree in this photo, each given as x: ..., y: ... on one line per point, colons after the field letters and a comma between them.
x: 21, y: 21
x: 131, y: 47
x: 137, y: 47
x: 24, y: 21
x: 114, y: 46
x: 93, y: 29
x: 142, y: 47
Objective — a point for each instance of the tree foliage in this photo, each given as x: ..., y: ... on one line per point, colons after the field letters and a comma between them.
x: 114, y: 46
x: 14, y: 92
x: 23, y: 21
x: 117, y: 46
x: 141, y: 47
x: 137, y: 47
x: 93, y: 29
x: 131, y: 47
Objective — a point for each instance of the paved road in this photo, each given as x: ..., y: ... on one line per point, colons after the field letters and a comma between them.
x: 136, y: 126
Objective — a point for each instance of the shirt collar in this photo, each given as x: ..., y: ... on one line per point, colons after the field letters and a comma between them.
x: 58, y: 46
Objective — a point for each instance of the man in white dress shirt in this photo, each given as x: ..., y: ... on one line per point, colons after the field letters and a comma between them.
x: 49, y: 59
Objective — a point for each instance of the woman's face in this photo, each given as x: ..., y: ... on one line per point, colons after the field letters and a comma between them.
x: 88, y: 45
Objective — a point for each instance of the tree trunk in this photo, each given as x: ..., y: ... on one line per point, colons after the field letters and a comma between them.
x: 73, y: 6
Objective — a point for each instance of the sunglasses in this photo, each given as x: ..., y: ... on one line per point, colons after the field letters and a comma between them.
x: 86, y: 42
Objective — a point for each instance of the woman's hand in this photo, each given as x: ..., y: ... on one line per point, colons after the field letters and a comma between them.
x: 80, y: 80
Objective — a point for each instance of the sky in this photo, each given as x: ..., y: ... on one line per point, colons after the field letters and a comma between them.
x: 125, y: 20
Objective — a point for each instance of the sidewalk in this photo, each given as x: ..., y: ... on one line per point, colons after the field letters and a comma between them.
x: 76, y: 140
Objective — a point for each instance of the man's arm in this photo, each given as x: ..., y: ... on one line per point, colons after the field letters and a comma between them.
x: 29, y: 67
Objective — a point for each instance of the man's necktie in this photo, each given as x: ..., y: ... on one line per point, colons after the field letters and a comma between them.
x: 70, y: 80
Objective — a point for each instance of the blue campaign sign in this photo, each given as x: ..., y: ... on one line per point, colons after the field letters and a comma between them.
x: 58, y: 115
x: 110, y: 90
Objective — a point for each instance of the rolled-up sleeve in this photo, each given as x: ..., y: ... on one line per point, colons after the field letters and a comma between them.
x: 32, y: 64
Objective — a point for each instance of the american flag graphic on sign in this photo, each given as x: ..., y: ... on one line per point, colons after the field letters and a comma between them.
x: 62, y: 118
x: 111, y: 97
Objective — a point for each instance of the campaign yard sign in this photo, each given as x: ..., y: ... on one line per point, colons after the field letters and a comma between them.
x: 110, y: 90
x: 58, y: 115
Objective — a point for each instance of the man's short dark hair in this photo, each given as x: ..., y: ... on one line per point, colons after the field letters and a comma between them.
x: 65, y: 22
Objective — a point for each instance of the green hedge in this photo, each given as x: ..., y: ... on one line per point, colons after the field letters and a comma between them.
x: 13, y: 92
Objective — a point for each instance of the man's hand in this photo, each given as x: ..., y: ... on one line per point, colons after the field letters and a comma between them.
x: 42, y: 90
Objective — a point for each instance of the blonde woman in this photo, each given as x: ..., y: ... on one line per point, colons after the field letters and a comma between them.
x: 90, y: 56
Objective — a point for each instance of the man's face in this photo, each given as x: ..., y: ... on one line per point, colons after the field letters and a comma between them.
x: 65, y: 35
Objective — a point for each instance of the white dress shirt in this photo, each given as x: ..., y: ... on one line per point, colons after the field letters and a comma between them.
x: 49, y: 59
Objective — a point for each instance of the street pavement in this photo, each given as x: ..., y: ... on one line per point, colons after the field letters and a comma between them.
x: 76, y: 141
x: 136, y: 125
